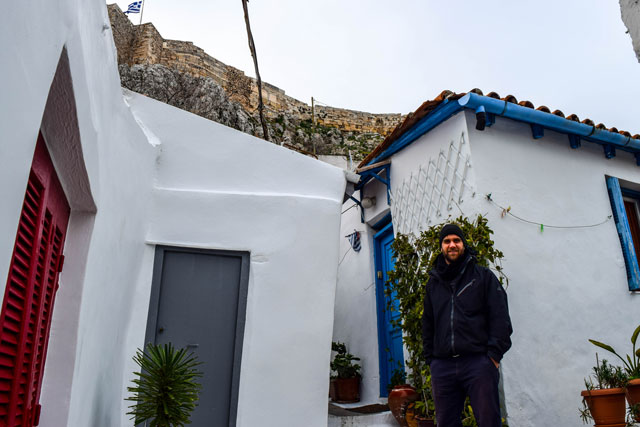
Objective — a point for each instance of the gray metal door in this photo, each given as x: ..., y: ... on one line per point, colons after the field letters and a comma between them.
x: 198, y: 301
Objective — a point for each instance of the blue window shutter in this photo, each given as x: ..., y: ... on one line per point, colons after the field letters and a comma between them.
x: 624, y: 232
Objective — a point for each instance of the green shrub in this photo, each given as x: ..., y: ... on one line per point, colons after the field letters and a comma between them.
x: 166, y: 391
x: 342, y: 363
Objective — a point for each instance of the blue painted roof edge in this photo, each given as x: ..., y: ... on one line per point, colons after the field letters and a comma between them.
x: 512, y: 111
x: 441, y: 113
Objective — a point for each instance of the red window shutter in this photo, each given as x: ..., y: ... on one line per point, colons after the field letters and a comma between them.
x: 29, y: 295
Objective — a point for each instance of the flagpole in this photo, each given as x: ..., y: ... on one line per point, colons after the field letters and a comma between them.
x: 141, y: 12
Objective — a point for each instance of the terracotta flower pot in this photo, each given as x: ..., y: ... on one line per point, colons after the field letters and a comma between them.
x: 347, y: 390
x: 332, y: 389
x: 607, y: 406
x: 399, y: 397
x: 633, y: 394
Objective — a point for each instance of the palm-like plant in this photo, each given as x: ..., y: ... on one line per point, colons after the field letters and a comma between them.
x: 166, y: 391
x: 632, y: 363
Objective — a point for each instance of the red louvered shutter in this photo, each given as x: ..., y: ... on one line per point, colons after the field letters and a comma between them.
x: 30, y: 292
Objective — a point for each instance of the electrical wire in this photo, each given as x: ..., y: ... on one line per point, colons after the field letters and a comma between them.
x: 507, y: 211
x: 345, y: 254
x: 349, y: 208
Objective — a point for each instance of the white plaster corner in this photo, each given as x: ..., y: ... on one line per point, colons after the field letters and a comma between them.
x: 152, y: 138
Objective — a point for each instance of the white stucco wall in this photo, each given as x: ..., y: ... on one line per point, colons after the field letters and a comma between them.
x: 178, y: 180
x: 355, y: 320
x: 220, y: 189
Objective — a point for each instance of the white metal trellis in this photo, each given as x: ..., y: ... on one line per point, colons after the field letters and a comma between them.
x: 423, y: 196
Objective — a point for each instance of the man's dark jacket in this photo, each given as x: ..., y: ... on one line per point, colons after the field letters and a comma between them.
x: 465, y: 313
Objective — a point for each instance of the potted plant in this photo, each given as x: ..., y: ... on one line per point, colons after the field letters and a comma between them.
x: 420, y: 412
x: 414, y: 258
x: 166, y: 391
x: 347, y: 375
x: 631, y: 365
x: 604, y: 399
x: 400, y: 396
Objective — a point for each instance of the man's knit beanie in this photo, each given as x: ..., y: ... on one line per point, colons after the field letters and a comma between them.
x: 449, y: 229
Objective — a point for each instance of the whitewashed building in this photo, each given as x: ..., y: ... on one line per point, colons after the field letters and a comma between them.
x: 171, y: 228
x: 562, y: 196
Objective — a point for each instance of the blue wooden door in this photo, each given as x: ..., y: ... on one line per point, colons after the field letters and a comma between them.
x: 390, y: 349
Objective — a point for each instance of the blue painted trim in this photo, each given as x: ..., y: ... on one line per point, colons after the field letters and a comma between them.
x: 380, y: 308
x: 384, y: 221
x: 357, y: 202
x: 496, y: 107
x: 386, y: 228
x: 630, y: 193
x: 491, y: 119
x: 441, y: 113
x: 537, y: 131
x: 549, y: 121
x: 609, y: 151
x: 366, y: 176
x: 624, y: 232
x: 574, y: 141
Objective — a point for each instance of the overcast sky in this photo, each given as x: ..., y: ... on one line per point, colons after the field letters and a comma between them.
x: 390, y: 56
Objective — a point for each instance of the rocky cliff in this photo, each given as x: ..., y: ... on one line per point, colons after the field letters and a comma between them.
x: 183, y: 75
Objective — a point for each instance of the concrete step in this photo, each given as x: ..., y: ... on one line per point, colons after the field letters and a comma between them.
x: 356, y: 415
x: 382, y: 419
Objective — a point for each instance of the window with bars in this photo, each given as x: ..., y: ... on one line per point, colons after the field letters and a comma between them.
x: 625, y: 204
x: 28, y: 301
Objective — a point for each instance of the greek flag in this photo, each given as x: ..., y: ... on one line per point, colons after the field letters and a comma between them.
x: 354, y: 239
x: 134, y: 7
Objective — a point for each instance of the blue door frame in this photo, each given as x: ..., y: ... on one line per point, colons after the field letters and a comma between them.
x: 390, y: 348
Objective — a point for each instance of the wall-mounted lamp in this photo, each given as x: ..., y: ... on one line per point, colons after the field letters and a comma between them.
x: 368, y: 202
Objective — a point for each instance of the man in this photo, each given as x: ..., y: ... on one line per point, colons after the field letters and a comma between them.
x: 465, y: 331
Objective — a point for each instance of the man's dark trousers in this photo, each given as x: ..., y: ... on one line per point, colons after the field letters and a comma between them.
x: 455, y: 378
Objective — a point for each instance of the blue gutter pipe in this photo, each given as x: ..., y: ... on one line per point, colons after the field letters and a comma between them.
x: 549, y: 121
x: 496, y: 107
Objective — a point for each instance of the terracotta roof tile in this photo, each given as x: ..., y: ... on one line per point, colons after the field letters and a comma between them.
x: 527, y: 104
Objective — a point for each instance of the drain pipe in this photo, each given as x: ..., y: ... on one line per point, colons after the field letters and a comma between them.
x: 484, y: 104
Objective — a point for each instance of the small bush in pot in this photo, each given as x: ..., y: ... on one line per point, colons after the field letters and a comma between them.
x: 166, y: 391
x: 631, y: 365
x: 347, y: 374
x: 604, y: 398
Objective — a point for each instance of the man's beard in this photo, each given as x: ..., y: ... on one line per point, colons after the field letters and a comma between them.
x: 457, y: 255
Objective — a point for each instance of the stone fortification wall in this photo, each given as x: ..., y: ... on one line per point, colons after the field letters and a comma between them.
x: 143, y: 44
